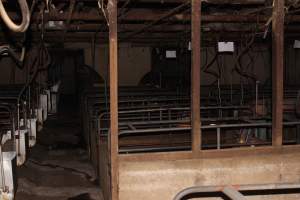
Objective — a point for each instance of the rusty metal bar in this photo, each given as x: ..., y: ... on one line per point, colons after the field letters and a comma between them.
x: 113, y: 79
x: 277, y: 71
x: 195, y: 76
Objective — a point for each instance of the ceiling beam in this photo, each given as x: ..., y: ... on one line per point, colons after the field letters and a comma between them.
x: 243, y: 2
x: 142, y: 15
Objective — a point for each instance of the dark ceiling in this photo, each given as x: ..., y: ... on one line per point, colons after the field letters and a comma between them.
x: 151, y: 21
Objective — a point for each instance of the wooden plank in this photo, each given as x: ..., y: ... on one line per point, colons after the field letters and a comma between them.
x: 113, y: 79
x: 195, y: 76
x: 277, y: 71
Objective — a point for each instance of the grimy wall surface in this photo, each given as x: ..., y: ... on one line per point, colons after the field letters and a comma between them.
x: 162, y: 180
x: 135, y: 62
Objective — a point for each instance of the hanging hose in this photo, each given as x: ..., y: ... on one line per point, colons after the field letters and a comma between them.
x: 238, y: 66
x: 25, y: 17
x: 40, y: 53
x: 211, y: 72
x: 18, y: 59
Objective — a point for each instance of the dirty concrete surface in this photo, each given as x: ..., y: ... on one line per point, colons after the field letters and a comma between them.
x: 58, y: 166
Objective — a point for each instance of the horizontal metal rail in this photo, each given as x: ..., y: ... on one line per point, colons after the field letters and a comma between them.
x: 213, y: 126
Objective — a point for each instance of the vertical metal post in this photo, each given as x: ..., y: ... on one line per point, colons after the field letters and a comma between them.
x: 256, y: 98
x: 277, y: 71
x: 195, y: 76
x: 113, y: 79
x: 218, y: 138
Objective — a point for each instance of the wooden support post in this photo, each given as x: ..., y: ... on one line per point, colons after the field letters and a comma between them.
x: 195, y: 75
x: 277, y: 71
x: 113, y: 79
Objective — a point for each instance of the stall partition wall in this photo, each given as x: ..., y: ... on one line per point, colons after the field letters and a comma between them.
x: 161, y: 176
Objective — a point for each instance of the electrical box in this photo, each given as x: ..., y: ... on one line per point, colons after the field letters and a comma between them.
x: 225, y: 47
x: 171, y: 54
x: 297, y: 44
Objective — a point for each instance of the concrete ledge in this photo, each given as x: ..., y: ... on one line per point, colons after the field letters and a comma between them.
x: 163, y: 179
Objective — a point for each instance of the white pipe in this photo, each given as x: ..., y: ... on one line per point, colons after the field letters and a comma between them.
x: 25, y: 17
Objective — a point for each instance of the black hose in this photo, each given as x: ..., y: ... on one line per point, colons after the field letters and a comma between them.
x: 12, y: 54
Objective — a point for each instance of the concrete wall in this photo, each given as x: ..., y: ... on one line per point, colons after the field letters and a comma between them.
x: 163, y: 179
x: 292, y: 69
x: 257, y: 63
x: 7, y: 66
x: 134, y: 62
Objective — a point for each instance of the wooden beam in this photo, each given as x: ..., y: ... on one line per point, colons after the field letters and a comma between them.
x: 113, y: 79
x: 195, y: 74
x: 222, y: 2
x: 277, y: 71
x: 149, y: 15
x: 176, y: 29
x: 142, y: 15
x: 230, y: 2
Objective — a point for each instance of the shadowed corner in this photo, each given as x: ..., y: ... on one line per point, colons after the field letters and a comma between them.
x: 85, y: 196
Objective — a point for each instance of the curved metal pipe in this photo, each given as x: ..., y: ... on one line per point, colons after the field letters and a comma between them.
x: 232, y: 193
x: 194, y: 190
x: 25, y: 17
x: 228, y: 191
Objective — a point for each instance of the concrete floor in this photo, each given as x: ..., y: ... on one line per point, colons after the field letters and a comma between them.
x: 58, y: 167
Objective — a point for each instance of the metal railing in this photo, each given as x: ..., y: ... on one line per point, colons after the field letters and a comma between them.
x: 235, y: 192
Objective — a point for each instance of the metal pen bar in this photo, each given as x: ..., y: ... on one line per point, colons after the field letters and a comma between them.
x: 220, y: 126
x: 218, y: 138
x: 233, y: 193
x: 220, y: 189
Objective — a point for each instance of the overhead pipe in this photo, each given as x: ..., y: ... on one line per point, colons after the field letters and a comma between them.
x: 25, y: 17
